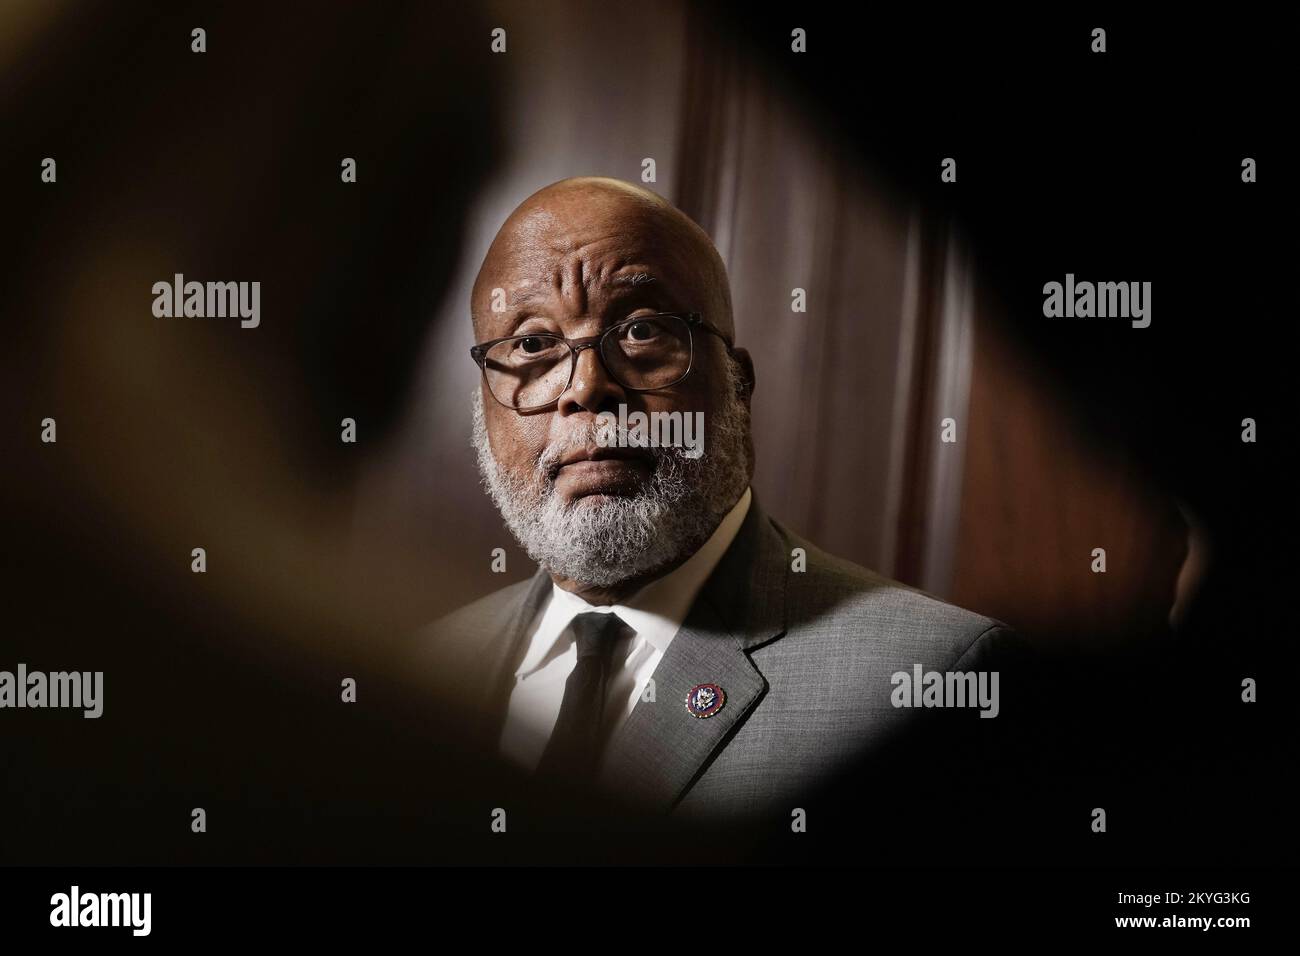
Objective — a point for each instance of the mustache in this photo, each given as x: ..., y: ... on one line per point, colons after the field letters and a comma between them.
x: 586, y: 436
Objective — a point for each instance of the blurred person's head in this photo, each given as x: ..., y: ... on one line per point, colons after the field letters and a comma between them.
x: 577, y: 259
x: 225, y: 436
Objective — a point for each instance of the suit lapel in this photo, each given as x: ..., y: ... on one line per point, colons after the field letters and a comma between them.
x: 661, y: 749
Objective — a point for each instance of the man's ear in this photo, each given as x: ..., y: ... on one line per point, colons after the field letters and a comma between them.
x: 747, y: 379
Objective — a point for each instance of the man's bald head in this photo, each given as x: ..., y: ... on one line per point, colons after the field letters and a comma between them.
x: 576, y: 234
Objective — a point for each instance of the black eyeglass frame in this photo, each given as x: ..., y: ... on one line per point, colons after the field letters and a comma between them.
x: 693, y: 321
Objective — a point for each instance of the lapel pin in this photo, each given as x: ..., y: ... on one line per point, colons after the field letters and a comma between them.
x: 705, y: 700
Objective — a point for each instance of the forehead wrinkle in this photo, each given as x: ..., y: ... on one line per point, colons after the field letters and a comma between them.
x: 564, y: 234
x: 576, y: 283
x: 530, y: 293
x: 616, y: 287
x: 584, y: 272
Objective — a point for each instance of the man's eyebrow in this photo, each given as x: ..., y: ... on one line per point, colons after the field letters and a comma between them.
x: 637, y: 278
x: 531, y: 293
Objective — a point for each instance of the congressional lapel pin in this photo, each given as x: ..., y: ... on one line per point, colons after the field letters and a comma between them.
x: 705, y: 700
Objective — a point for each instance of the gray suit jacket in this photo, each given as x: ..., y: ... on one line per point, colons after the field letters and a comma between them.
x: 804, y: 658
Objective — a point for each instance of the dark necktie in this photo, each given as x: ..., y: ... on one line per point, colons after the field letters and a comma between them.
x: 574, y: 748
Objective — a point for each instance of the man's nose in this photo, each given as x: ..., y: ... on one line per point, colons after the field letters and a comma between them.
x: 592, y: 389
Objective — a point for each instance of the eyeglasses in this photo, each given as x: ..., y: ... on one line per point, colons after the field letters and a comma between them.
x: 644, y: 353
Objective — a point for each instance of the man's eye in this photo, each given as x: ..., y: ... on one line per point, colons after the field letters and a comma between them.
x: 643, y: 331
x: 533, y: 344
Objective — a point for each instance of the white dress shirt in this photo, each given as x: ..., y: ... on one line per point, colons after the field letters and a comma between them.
x: 653, y: 615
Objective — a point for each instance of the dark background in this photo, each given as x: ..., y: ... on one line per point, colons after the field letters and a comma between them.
x: 222, y: 689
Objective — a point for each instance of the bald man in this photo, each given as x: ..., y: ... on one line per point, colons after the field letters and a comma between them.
x: 677, y: 647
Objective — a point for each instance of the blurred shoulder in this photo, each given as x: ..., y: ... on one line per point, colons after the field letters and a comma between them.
x: 489, y: 615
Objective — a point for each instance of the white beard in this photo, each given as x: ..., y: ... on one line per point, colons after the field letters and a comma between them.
x: 607, y: 540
